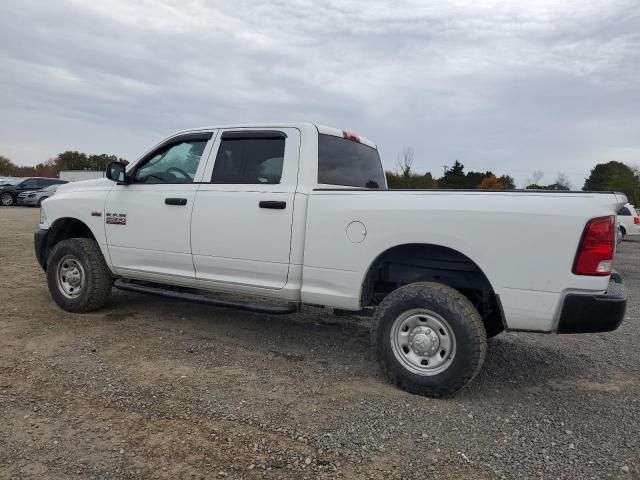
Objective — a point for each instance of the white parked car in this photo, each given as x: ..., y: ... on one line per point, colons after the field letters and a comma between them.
x: 301, y: 213
x: 628, y: 221
x: 9, y: 180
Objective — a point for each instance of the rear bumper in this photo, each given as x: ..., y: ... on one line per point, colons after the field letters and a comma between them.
x: 594, y: 313
x: 39, y: 243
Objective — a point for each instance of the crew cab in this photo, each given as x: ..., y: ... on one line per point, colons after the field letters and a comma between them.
x: 300, y: 213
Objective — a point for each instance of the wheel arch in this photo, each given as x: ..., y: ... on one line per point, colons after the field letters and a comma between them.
x: 63, y: 229
x: 418, y: 262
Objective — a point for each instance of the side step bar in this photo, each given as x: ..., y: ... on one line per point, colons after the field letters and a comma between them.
x: 271, y: 309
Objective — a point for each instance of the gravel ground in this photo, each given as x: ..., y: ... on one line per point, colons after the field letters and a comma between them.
x: 151, y: 388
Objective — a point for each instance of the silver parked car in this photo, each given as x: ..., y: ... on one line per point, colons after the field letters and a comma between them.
x: 35, y: 198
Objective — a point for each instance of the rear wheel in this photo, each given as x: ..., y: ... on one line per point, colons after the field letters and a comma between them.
x: 6, y: 199
x: 77, y: 275
x: 429, y: 339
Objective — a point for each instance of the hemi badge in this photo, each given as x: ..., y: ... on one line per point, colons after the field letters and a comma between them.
x: 96, y: 214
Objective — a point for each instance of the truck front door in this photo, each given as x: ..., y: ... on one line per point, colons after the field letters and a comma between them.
x: 148, y: 221
x: 241, y: 222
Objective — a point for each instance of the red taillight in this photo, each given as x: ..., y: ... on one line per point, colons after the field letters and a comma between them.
x: 350, y: 136
x: 636, y: 220
x: 595, y: 252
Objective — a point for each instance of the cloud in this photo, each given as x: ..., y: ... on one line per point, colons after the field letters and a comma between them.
x: 507, y: 86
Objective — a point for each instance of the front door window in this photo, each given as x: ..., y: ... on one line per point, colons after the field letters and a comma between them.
x: 173, y: 163
x: 29, y: 185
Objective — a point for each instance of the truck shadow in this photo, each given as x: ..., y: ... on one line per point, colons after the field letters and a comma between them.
x: 522, y: 362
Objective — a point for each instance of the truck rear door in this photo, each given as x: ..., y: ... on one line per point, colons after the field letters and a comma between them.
x: 243, y: 212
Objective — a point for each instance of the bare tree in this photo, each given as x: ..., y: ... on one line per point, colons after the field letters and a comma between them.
x: 562, y: 182
x: 405, y: 162
x: 535, y: 178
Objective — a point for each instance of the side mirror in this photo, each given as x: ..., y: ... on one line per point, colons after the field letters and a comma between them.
x: 116, y: 172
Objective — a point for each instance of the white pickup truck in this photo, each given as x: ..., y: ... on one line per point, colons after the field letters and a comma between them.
x: 301, y: 213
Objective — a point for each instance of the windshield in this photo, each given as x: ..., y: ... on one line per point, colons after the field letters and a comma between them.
x: 348, y: 163
x: 10, y: 181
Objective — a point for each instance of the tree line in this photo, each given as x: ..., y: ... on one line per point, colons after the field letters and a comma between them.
x: 69, y: 160
x: 611, y: 176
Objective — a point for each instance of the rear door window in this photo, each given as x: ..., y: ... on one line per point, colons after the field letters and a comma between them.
x: 348, y: 163
x: 249, y: 158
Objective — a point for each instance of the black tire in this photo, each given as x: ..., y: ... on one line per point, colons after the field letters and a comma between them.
x: 463, y: 321
x: 7, y: 200
x: 95, y: 288
x: 621, y: 234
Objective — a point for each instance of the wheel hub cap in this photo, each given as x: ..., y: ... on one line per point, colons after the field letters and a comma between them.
x: 70, y: 276
x: 73, y: 277
x: 424, y: 341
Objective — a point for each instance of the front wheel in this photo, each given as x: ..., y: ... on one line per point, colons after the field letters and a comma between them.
x: 429, y: 339
x: 77, y: 275
x: 6, y: 199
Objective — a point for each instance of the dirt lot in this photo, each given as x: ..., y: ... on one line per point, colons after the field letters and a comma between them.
x: 150, y: 388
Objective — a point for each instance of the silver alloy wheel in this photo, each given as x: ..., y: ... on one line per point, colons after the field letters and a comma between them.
x: 71, y: 277
x: 423, y: 342
x: 6, y: 199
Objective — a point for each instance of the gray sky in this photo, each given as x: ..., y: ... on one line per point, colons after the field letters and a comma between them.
x: 509, y: 86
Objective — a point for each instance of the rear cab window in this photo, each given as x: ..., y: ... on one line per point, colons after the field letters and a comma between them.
x: 624, y: 211
x: 345, y: 161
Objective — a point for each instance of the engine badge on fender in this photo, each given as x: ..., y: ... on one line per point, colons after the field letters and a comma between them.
x: 116, y: 218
